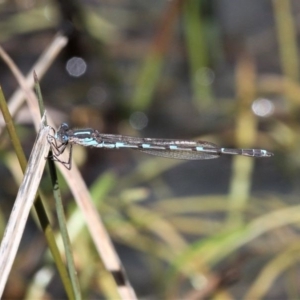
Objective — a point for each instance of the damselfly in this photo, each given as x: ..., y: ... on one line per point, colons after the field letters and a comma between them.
x: 178, y: 149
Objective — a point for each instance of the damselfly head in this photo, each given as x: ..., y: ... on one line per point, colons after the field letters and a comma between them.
x: 61, y: 133
x: 63, y: 127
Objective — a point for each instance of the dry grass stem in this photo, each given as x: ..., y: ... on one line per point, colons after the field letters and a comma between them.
x: 22, y: 206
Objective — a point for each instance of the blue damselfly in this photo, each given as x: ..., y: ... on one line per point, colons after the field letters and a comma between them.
x: 171, y: 148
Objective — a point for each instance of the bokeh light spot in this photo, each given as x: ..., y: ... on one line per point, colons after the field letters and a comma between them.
x: 76, y: 66
x: 138, y: 120
x: 263, y: 107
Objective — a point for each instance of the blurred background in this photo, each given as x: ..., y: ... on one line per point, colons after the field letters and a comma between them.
x: 221, y: 71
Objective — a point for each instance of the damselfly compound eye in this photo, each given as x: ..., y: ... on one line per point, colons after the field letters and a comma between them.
x: 64, y: 138
x: 64, y: 126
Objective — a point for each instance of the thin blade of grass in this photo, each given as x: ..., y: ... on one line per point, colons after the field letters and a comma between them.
x: 287, y: 38
x: 246, y: 129
x: 272, y: 271
x: 22, y: 206
x: 198, y: 53
x: 59, y: 206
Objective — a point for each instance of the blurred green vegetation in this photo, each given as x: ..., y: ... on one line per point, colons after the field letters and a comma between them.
x: 170, y: 59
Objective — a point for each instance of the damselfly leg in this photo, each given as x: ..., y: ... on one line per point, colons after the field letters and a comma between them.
x: 58, y: 149
x: 67, y: 164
